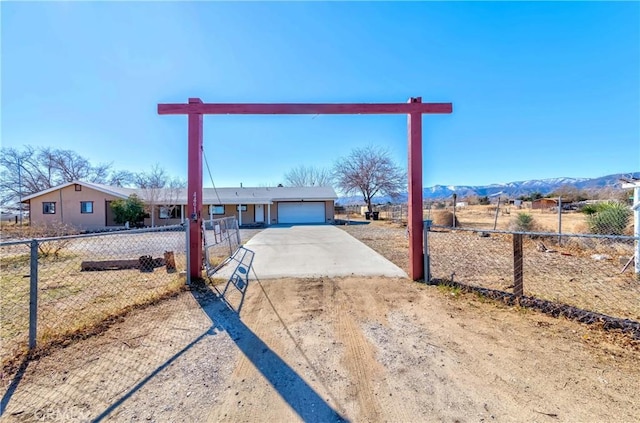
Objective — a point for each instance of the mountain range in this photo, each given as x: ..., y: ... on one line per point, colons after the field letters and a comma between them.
x: 510, y: 189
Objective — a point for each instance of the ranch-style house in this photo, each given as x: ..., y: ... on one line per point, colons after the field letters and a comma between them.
x: 86, y: 205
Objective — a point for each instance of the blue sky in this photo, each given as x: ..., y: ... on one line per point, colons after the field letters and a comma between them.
x: 539, y: 89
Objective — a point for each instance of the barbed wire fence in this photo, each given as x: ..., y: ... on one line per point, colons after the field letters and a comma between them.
x: 56, y: 289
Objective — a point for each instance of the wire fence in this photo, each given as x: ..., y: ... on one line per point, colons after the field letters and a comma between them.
x: 603, y: 217
x: 220, y: 242
x: 559, y: 274
x: 55, y: 289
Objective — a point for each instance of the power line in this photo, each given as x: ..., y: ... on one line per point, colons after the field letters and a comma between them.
x: 211, y: 177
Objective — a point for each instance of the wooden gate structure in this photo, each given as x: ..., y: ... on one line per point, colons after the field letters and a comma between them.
x: 414, y: 109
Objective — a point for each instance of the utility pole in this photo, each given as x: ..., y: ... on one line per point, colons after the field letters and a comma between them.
x: 20, y: 189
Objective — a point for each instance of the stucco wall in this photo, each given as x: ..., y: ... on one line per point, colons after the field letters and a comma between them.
x: 230, y: 210
x: 68, y: 208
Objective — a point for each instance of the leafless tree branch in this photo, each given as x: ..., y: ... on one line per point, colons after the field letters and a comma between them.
x: 370, y: 171
x: 308, y: 176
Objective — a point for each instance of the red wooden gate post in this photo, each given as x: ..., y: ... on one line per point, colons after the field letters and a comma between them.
x: 414, y: 108
x: 194, y: 188
x: 414, y: 223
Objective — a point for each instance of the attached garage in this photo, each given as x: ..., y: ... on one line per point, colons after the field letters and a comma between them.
x: 301, y: 212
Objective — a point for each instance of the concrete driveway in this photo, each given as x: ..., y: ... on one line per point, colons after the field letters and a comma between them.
x: 313, y: 251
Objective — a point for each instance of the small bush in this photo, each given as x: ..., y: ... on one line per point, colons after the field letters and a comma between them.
x: 608, y: 218
x: 130, y: 210
x: 52, y: 249
x: 523, y: 222
x: 590, y: 209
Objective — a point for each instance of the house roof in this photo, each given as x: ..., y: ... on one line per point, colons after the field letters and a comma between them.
x: 259, y: 195
x: 266, y: 195
x: 108, y: 189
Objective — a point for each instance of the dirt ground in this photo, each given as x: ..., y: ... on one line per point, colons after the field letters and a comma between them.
x: 352, y: 349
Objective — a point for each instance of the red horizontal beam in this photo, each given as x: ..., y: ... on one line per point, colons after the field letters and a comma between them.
x: 303, y: 108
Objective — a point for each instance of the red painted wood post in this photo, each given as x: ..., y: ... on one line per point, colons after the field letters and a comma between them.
x: 416, y: 257
x: 194, y: 188
x: 414, y: 108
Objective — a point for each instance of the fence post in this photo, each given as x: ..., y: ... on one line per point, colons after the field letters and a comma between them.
x: 559, y: 220
x: 636, y: 227
x: 188, y: 253
x: 33, y: 294
x: 518, y: 286
x: 455, y: 197
x: 495, y: 220
x: 427, y: 268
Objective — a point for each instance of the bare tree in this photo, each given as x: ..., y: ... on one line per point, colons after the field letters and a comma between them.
x: 22, y: 174
x: 70, y: 166
x: 170, y: 194
x: 160, y: 190
x: 308, y: 176
x: 121, y: 178
x: 570, y: 193
x: 30, y: 170
x: 370, y: 171
x: 152, y: 183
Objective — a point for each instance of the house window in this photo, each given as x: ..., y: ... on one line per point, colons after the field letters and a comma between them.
x: 216, y: 209
x: 48, y: 208
x: 86, y: 206
x: 244, y: 207
x: 170, y: 213
x: 78, y: 187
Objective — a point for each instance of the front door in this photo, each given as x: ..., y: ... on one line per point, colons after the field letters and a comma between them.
x: 259, y: 218
x: 109, y: 215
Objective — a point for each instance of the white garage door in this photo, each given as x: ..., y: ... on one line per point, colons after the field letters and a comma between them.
x: 301, y: 212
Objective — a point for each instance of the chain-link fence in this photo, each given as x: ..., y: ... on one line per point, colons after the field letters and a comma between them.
x: 394, y: 212
x: 564, y: 274
x: 54, y: 289
x: 221, y: 240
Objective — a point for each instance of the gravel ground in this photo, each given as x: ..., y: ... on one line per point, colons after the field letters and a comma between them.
x: 333, y: 349
x: 323, y: 350
x: 388, y: 239
x: 568, y: 274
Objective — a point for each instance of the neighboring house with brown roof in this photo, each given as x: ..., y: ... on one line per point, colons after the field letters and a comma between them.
x: 544, y: 203
x: 86, y: 205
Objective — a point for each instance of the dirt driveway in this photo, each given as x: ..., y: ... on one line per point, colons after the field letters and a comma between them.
x: 356, y: 349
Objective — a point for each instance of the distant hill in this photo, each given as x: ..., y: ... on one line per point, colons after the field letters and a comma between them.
x: 510, y: 189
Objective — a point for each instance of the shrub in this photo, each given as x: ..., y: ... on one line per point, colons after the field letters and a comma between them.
x: 523, y: 222
x: 608, y: 218
x: 46, y: 248
x: 130, y: 210
x: 590, y: 209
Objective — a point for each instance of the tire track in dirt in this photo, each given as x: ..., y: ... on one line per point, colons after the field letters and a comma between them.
x: 247, y: 387
x: 271, y: 368
x: 367, y: 385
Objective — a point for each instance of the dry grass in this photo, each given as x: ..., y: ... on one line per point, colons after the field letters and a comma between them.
x: 71, y: 302
x: 569, y: 275
x: 484, y: 217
